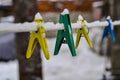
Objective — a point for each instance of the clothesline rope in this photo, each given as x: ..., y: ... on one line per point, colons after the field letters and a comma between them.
x: 32, y: 26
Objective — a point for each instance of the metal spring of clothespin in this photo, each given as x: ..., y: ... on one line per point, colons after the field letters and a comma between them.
x: 38, y: 37
x: 82, y: 31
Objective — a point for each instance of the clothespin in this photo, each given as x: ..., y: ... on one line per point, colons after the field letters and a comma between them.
x: 38, y: 36
x: 82, y: 31
x: 65, y: 35
x: 109, y: 29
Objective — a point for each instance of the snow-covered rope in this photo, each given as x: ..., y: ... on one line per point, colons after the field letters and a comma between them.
x: 32, y: 26
x: 18, y: 27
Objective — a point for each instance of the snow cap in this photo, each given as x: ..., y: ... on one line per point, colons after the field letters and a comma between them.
x: 108, y: 17
x: 80, y: 17
x: 38, y: 16
x: 66, y: 11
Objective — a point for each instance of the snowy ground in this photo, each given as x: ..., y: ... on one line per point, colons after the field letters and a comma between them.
x: 9, y: 70
x: 85, y: 66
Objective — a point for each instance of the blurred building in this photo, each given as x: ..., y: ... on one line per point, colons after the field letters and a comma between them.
x: 51, y: 5
x: 59, y: 5
x: 97, y: 9
x: 6, y: 7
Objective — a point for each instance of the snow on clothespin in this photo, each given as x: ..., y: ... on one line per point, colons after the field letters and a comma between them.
x: 65, y: 11
x: 80, y: 18
x: 38, y: 18
x: 83, y: 31
x: 38, y: 36
x: 65, y: 35
x: 108, y: 28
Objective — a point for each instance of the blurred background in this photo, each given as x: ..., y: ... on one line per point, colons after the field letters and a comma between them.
x: 102, y: 62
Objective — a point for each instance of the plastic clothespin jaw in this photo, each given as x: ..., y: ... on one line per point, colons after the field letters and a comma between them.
x: 109, y: 29
x: 65, y: 35
x: 82, y: 31
x: 38, y: 37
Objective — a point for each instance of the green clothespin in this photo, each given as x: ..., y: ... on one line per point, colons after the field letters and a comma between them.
x: 65, y: 35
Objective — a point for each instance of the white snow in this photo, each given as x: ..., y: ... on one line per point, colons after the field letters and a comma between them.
x: 18, y: 27
x: 65, y: 11
x: 85, y: 66
x: 38, y: 16
x: 9, y: 70
x: 80, y: 17
x: 108, y: 17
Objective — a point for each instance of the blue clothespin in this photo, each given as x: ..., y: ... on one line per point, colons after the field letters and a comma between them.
x: 65, y: 35
x: 109, y: 29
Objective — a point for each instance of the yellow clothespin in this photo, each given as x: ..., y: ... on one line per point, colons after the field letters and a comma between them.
x: 83, y: 31
x: 38, y: 36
